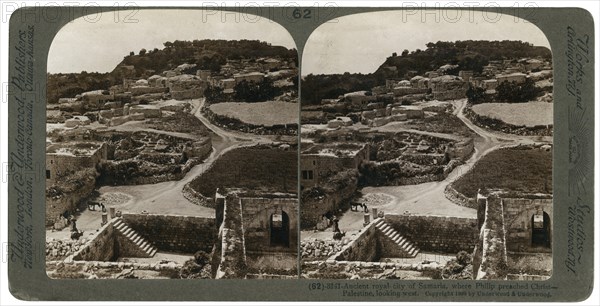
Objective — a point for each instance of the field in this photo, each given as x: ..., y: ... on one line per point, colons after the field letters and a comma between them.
x: 259, y: 113
x: 527, y: 114
x: 257, y: 168
x: 514, y: 169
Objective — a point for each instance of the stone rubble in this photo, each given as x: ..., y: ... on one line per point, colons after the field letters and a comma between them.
x: 61, y: 249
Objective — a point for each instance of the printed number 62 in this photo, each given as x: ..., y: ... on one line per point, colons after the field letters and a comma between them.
x: 298, y: 13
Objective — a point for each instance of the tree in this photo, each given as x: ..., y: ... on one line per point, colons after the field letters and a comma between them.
x: 405, y: 52
x: 475, y: 95
x: 214, y: 94
x: 513, y: 92
x: 143, y: 51
x: 255, y: 92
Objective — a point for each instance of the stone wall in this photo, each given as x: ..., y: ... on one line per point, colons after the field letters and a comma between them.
x: 257, y: 214
x: 490, y: 255
x: 362, y: 248
x: 102, y: 247
x: 59, y: 165
x: 56, y: 205
x: 458, y: 198
x: 324, y: 166
x: 229, y: 256
x: 437, y: 234
x: 171, y: 233
x: 196, y: 197
x: 517, y: 217
x: 402, y: 91
x: 313, y: 208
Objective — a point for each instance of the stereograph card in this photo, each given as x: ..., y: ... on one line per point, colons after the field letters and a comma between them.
x: 301, y: 153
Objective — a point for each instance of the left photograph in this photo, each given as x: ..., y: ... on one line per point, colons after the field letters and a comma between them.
x: 172, y: 147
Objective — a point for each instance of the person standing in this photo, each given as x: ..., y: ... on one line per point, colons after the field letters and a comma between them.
x: 336, y: 227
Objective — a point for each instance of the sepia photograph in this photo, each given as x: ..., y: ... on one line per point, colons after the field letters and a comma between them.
x: 172, y: 148
x: 426, y: 149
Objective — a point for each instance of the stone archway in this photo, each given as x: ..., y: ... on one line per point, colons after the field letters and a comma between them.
x: 279, y: 226
x: 540, y: 230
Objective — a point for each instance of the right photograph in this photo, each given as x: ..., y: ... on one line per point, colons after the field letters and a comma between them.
x: 426, y: 148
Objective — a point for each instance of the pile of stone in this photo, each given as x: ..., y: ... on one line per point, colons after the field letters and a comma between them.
x: 61, y: 249
x: 113, y: 198
x: 319, y: 249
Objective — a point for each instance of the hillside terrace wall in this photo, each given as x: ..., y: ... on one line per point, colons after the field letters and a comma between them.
x: 435, y: 233
x: 172, y: 233
x: 314, y: 208
x: 67, y: 202
x: 458, y: 198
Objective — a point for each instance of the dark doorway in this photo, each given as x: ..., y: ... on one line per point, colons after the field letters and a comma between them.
x: 280, y: 229
x: 540, y: 233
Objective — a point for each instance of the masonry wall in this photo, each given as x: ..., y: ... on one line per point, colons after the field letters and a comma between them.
x: 256, y: 214
x: 388, y: 248
x: 103, y: 247
x: 363, y: 248
x: 323, y: 166
x: 490, y: 255
x: 56, y: 206
x: 517, y: 220
x: 437, y: 234
x: 170, y: 233
x: 232, y: 248
x: 314, y: 208
x: 61, y: 165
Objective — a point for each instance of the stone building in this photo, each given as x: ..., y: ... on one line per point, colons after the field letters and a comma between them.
x: 448, y: 87
x: 320, y: 161
x: 527, y: 221
x: 466, y: 75
x: 65, y: 158
x: 251, y: 77
x: 186, y: 86
x: 518, y: 78
x: 528, y: 224
x: 358, y: 100
x: 254, y: 228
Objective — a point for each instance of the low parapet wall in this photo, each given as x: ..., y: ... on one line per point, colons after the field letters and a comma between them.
x: 436, y: 233
x: 101, y: 247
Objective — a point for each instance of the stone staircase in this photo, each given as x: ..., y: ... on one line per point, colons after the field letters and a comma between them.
x: 404, y: 245
x: 144, y: 246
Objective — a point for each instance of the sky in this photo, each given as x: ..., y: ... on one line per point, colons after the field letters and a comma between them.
x: 97, y: 43
x: 354, y: 43
x: 362, y: 42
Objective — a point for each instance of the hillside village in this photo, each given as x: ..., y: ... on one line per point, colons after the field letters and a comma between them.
x: 399, y: 180
x: 120, y: 160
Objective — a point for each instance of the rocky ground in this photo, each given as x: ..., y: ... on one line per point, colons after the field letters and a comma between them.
x: 318, y: 249
x: 61, y: 249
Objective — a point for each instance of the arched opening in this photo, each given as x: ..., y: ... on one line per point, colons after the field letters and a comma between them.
x: 280, y: 229
x: 540, y: 230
